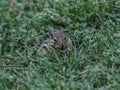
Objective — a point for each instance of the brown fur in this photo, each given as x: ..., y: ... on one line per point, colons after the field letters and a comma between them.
x: 58, y: 40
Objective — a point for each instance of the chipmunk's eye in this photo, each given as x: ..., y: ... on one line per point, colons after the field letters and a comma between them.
x: 65, y: 38
x: 54, y: 39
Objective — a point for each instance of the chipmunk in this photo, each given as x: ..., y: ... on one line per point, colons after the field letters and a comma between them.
x: 58, y: 40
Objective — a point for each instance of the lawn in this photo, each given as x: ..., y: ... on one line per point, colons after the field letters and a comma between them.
x: 92, y: 25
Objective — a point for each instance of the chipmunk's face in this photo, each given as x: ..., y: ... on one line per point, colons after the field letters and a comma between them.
x: 59, y: 39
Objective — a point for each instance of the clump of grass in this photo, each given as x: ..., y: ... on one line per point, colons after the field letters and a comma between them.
x: 94, y: 28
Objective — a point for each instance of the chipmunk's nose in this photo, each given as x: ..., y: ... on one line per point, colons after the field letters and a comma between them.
x: 60, y: 47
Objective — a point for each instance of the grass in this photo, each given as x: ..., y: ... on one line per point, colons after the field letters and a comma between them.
x: 93, y: 26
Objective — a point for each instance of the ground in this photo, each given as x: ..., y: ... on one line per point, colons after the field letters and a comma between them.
x: 93, y: 26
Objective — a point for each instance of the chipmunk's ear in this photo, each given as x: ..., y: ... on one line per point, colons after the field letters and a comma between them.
x: 51, y: 34
x: 62, y: 30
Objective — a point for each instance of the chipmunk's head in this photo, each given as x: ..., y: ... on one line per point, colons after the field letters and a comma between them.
x: 59, y: 38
